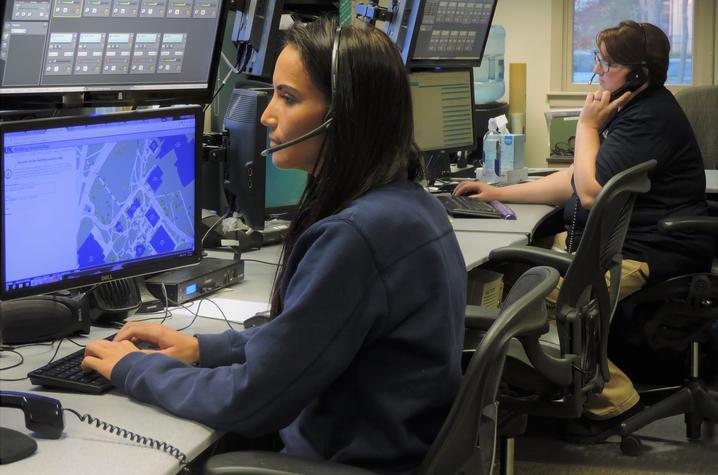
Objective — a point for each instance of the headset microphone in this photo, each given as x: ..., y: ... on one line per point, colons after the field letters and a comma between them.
x: 592, y: 78
x: 325, y: 125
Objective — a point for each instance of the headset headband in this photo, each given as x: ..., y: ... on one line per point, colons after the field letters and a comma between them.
x: 335, y: 63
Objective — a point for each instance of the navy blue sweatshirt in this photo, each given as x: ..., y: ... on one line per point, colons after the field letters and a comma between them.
x: 363, y: 363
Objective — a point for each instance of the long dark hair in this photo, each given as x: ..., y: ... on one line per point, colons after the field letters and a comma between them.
x: 638, y: 44
x: 371, y: 140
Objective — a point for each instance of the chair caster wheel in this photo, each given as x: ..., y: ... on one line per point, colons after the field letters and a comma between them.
x: 630, y: 445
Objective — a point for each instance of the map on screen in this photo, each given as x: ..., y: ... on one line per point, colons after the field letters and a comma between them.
x: 96, y: 197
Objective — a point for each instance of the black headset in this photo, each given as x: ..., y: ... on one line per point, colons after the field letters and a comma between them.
x: 329, y: 116
x: 637, y: 76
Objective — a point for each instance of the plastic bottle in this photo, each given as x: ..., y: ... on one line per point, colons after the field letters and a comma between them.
x: 489, y: 83
x: 491, y: 151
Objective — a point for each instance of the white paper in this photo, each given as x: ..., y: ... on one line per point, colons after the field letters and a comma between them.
x: 235, y: 310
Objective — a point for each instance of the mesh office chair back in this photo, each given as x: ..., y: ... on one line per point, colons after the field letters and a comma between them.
x: 559, y: 369
x: 467, y: 440
x: 700, y: 104
x: 586, y: 302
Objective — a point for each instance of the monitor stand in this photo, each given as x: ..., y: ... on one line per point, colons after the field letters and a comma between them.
x: 239, y: 240
x: 437, y: 165
x: 274, y: 232
x: 242, y: 240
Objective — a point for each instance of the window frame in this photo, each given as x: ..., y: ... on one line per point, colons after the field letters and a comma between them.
x: 565, y: 93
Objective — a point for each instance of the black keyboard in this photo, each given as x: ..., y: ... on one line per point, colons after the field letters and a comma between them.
x: 465, y: 207
x: 67, y: 374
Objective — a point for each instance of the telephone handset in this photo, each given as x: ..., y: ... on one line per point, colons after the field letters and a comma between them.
x: 635, y: 79
x: 42, y: 414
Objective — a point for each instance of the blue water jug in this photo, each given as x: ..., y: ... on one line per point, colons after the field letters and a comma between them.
x: 489, y: 83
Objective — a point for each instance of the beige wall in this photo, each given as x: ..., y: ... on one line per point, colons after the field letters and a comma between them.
x: 533, y: 36
x: 528, y: 40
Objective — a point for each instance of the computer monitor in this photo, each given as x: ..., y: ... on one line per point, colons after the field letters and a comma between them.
x: 282, y: 190
x: 443, y: 110
x: 436, y: 33
x: 256, y: 188
x: 256, y: 34
x: 94, y: 198
x: 109, y: 52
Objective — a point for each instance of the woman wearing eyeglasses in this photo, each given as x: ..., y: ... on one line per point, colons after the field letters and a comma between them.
x: 642, y: 122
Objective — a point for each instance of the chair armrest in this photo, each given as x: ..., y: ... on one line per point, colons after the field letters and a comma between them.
x: 480, y: 318
x: 274, y: 463
x: 696, y: 224
x: 535, y: 256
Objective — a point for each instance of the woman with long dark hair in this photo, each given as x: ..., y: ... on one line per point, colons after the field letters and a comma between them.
x: 360, y: 362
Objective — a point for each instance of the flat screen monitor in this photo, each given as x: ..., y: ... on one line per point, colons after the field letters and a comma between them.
x: 256, y: 34
x: 94, y: 198
x: 437, y: 33
x: 109, y: 52
x: 257, y: 189
x: 443, y: 110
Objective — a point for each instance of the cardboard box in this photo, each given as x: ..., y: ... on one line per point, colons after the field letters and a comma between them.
x: 485, y: 288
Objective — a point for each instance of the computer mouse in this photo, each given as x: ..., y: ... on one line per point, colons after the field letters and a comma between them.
x: 259, y: 318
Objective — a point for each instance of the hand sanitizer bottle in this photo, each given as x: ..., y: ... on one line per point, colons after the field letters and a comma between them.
x: 491, y: 151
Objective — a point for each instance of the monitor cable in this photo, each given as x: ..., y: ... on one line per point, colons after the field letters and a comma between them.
x: 222, y: 218
x: 233, y: 69
x: 12, y: 350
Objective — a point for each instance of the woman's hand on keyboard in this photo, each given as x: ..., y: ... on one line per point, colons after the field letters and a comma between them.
x: 170, y: 342
x: 477, y: 190
x: 103, y: 355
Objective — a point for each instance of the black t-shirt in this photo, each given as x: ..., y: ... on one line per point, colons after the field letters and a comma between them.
x: 653, y: 126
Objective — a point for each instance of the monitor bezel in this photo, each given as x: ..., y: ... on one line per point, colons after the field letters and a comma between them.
x: 129, y: 270
x: 474, y: 145
x: 123, y: 94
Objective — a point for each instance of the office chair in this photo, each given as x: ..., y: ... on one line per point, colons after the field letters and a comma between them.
x: 553, y: 374
x: 466, y: 441
x: 687, y: 309
x: 700, y: 104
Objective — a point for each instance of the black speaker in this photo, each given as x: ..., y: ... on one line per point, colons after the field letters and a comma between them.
x: 43, y: 318
x: 114, y: 301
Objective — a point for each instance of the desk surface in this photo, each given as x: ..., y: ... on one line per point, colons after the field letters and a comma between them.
x: 87, y: 449
x: 476, y: 246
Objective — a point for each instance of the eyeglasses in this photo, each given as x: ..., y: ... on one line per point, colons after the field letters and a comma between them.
x: 605, y: 65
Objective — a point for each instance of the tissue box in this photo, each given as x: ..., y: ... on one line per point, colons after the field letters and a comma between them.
x: 511, y: 147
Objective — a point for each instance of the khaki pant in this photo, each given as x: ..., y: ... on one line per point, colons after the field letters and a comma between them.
x: 618, y: 394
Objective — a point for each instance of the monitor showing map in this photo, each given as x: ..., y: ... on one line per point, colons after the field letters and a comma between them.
x: 90, y: 199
